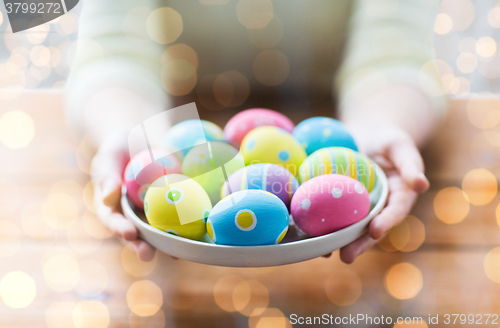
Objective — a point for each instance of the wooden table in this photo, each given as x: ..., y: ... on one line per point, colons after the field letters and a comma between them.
x: 83, y: 277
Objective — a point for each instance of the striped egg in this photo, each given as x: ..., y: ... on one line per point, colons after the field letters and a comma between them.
x: 178, y: 205
x: 143, y: 170
x: 187, y: 134
x: 269, y: 144
x: 320, y: 132
x: 248, y: 218
x: 243, y: 122
x: 328, y: 203
x: 339, y: 160
x: 268, y: 177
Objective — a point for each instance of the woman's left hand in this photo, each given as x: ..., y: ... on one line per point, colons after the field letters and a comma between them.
x: 396, y: 153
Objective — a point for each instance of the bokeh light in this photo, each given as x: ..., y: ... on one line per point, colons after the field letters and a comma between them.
x: 451, y: 205
x: 271, y: 67
x: 403, y: 281
x: 231, y: 89
x: 60, y: 211
x: 492, y: 265
x: 443, y: 24
x: 223, y: 292
x: 408, y: 236
x: 164, y: 25
x: 17, y: 289
x: 60, y: 315
x: 461, y: 13
x: 16, y: 129
x: 40, y: 55
x: 482, y: 110
x: 134, y: 266
x: 254, y: 14
x: 480, y: 185
x: 91, y: 314
x: 486, y: 47
x: 155, y: 321
x: 250, y: 297
x: 343, y: 287
x: 61, y: 272
x: 10, y: 238
x: 494, y: 17
x: 144, y: 298
x: 269, y: 318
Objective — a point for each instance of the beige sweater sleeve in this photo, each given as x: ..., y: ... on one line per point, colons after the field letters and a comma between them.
x: 114, y: 49
x: 390, y: 42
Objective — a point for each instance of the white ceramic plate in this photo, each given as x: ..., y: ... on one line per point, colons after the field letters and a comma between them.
x: 294, y: 248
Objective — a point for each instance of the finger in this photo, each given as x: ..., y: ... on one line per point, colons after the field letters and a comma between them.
x: 350, y: 252
x: 144, y: 251
x: 401, y: 200
x: 326, y: 256
x: 406, y: 157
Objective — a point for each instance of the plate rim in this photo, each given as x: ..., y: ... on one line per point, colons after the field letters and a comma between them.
x: 130, y: 215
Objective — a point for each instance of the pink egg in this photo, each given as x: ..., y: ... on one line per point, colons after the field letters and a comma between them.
x: 242, y: 123
x: 328, y: 203
x: 142, y: 171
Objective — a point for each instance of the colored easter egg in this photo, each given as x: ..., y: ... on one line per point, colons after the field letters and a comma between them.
x: 328, y: 203
x: 269, y: 144
x: 142, y: 170
x: 187, y: 134
x: 264, y: 176
x: 243, y: 122
x: 211, y: 164
x: 339, y: 160
x: 247, y: 218
x: 320, y: 132
x: 178, y: 205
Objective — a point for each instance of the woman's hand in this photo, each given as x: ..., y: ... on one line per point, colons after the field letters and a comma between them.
x: 396, y: 153
x: 107, y: 171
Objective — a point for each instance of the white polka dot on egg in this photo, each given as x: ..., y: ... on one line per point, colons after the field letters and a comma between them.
x: 358, y: 188
x: 305, y: 203
x: 336, y: 193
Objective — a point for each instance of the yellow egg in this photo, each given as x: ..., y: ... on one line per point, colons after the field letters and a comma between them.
x: 178, y: 205
x: 270, y: 144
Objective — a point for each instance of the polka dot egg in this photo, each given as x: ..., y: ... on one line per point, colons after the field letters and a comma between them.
x: 142, y: 170
x: 187, y: 134
x: 268, y: 177
x: 269, y: 144
x: 339, y: 160
x: 248, y: 217
x: 178, y: 205
x: 242, y: 123
x: 204, y: 164
x: 321, y: 132
x: 329, y: 203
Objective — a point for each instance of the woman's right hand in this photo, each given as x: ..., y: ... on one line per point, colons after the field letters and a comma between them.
x: 107, y: 171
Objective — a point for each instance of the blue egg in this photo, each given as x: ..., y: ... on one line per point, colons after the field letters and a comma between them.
x: 187, y: 134
x: 248, y: 218
x: 320, y: 132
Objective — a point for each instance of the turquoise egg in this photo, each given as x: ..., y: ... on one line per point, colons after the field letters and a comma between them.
x: 187, y: 134
x: 320, y: 132
x: 248, y: 218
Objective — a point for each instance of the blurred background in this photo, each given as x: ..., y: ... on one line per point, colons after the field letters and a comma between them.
x: 59, y: 267
x: 465, y: 52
